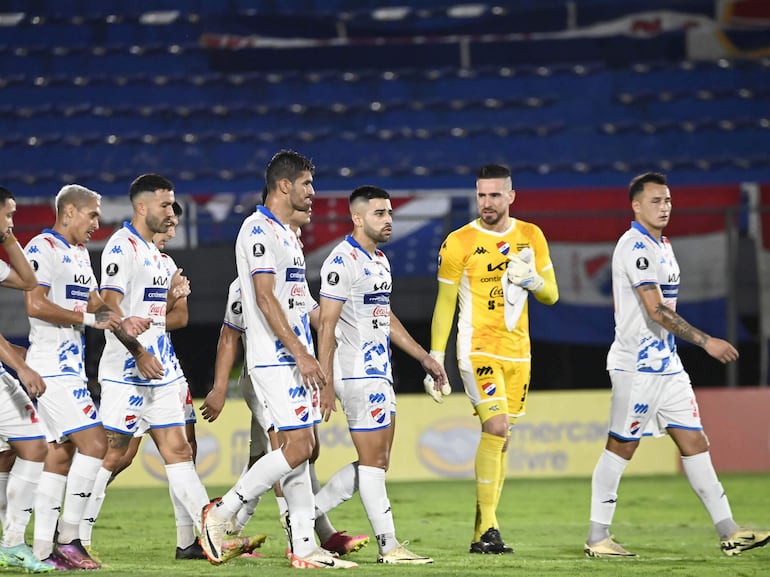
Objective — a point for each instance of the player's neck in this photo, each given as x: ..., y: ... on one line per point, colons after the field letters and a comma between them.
x: 64, y: 232
x: 364, y: 241
x: 143, y: 230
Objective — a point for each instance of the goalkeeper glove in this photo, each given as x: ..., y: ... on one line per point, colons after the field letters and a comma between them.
x: 428, y: 382
x: 522, y: 273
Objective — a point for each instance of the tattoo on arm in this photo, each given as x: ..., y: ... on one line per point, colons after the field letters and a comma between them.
x: 680, y: 327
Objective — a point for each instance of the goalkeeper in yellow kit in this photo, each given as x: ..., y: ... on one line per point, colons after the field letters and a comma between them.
x: 491, y: 265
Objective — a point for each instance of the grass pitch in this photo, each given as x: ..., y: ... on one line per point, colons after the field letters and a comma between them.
x: 546, y: 521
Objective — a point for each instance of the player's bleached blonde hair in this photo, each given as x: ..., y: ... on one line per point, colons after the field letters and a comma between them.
x: 74, y: 194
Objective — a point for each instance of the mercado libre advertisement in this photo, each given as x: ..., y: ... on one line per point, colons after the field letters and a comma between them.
x: 562, y: 434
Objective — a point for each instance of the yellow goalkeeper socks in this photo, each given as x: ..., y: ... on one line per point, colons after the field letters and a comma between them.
x: 488, y: 478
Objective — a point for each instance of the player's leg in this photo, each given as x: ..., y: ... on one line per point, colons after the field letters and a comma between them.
x: 628, y: 390
x: 484, y: 382
x: 680, y: 411
x: 7, y: 457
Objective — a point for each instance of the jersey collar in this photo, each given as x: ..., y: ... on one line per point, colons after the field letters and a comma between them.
x: 135, y: 232
x: 355, y: 243
x: 266, y: 211
x: 635, y: 225
x: 52, y: 232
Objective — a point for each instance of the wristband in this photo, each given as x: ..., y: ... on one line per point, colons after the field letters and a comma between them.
x: 89, y: 319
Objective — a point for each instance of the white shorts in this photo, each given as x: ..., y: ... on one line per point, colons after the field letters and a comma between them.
x: 367, y: 403
x: 646, y: 405
x: 260, y: 424
x: 289, y: 404
x: 187, y: 401
x: 127, y: 409
x: 66, y: 407
x: 18, y: 418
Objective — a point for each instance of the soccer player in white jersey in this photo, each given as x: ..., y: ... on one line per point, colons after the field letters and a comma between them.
x: 357, y: 327
x: 20, y: 427
x: 651, y: 391
x: 137, y: 396
x: 232, y: 332
x: 279, y: 356
x: 65, y: 301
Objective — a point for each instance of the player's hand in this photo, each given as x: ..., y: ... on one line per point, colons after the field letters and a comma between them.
x: 436, y: 382
x: 135, y: 326
x: 721, y: 350
x: 310, y: 369
x: 213, y: 404
x: 107, y: 320
x: 180, y: 285
x: 150, y: 366
x: 523, y: 274
x: 32, y: 381
x: 327, y: 402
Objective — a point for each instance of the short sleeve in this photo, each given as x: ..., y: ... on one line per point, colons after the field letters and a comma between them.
x: 337, y: 277
x: 117, y: 261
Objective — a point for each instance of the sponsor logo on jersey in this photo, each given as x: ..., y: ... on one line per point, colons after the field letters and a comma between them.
x: 496, y: 292
x: 498, y: 267
x: 377, y: 299
x: 483, y: 371
x: 155, y: 294
x: 76, y: 292
x: 295, y: 274
x: 297, y: 290
x: 381, y: 311
x: 489, y: 388
x: 480, y: 250
x: 382, y: 286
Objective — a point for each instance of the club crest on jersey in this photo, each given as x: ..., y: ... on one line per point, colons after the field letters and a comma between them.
x: 503, y: 247
x: 302, y: 413
x: 489, y: 388
x: 90, y: 412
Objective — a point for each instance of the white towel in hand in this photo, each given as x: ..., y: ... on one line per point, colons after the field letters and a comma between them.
x: 515, y: 296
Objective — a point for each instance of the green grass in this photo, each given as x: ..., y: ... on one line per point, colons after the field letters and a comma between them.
x: 659, y: 518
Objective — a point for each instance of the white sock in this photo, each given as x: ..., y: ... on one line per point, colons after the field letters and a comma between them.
x: 338, y: 489
x: 323, y: 526
x: 255, y: 482
x: 299, y: 495
x: 3, y: 497
x: 94, y: 505
x: 22, y: 484
x: 185, y: 525
x: 604, y: 493
x: 374, y: 496
x: 48, y: 500
x: 80, y: 485
x: 703, y: 480
x: 245, y: 513
x: 188, y: 488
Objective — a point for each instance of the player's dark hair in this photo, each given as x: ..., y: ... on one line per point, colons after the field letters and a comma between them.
x: 285, y: 164
x: 368, y: 192
x: 148, y: 183
x: 178, y: 210
x: 638, y: 182
x: 5, y: 194
x: 493, y: 171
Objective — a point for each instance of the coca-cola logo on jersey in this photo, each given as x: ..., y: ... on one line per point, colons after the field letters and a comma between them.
x: 381, y: 312
x: 297, y: 290
x: 496, y: 292
x: 158, y: 310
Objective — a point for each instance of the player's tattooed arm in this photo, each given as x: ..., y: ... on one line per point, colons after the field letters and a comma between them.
x: 676, y: 325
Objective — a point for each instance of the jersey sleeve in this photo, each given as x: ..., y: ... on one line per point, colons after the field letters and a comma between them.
x: 337, y: 276
x: 40, y: 253
x: 117, y: 261
x: 451, y: 261
x: 638, y: 262
x: 540, y: 248
x: 234, y: 310
x: 260, y: 246
x: 5, y: 270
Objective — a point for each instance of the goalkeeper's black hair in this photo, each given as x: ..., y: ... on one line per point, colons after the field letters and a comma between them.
x: 489, y: 171
x: 638, y: 182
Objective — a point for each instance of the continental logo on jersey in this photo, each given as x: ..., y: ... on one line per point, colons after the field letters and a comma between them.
x: 76, y: 292
x: 642, y: 263
x: 156, y: 294
x: 295, y: 274
x: 377, y: 299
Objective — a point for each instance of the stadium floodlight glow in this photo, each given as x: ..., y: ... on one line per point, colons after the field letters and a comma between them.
x: 395, y: 13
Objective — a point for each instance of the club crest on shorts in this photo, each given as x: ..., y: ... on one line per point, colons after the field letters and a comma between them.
x: 90, y: 411
x: 489, y: 388
x: 378, y: 414
x: 302, y: 413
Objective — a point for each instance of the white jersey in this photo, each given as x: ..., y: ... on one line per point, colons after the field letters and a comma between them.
x: 65, y: 270
x: 265, y: 246
x: 640, y: 343
x: 5, y: 270
x: 134, y: 267
x: 171, y: 268
x: 362, y: 282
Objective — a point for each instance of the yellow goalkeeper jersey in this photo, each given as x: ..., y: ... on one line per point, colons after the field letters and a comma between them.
x: 474, y: 259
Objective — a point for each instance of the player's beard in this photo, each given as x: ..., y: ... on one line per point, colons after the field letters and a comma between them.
x: 156, y: 225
